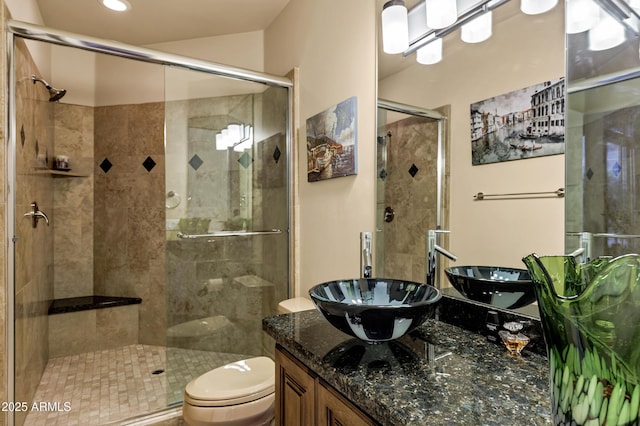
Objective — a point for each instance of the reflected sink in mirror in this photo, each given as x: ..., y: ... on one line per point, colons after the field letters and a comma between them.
x: 507, y: 288
x: 375, y: 309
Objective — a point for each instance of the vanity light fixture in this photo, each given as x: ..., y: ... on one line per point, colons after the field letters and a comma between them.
x: 116, y: 5
x: 475, y: 22
x: 430, y: 53
x: 581, y: 15
x: 536, y: 7
x: 477, y: 30
x: 441, y: 13
x: 606, y: 34
x: 395, y: 28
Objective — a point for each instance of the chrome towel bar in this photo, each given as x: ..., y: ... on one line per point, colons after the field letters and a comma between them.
x: 604, y: 235
x: 228, y: 234
x: 559, y: 193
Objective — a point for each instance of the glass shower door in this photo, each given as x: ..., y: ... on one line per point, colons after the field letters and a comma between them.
x: 408, y: 183
x: 603, y: 160
x: 226, y: 219
x: 602, y: 155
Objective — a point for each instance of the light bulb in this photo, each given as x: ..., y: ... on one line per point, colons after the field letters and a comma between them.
x: 535, y: 7
x: 221, y: 142
x: 395, y: 27
x: 606, y: 34
x: 117, y: 5
x: 581, y: 15
x: 477, y: 30
x: 431, y: 53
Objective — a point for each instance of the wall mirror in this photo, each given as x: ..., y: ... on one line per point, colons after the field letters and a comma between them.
x: 519, y: 53
x: 602, y: 129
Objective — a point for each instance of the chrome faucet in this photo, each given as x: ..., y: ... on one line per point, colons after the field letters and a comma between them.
x: 584, y: 252
x: 432, y: 262
x: 366, y: 254
x: 586, y: 243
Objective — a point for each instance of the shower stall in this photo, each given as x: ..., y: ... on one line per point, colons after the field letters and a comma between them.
x: 411, y: 187
x: 152, y: 256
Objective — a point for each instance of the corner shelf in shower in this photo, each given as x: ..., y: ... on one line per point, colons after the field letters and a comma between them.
x: 85, y: 303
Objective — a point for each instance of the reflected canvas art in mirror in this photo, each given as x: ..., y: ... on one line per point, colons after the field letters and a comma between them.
x: 521, y: 124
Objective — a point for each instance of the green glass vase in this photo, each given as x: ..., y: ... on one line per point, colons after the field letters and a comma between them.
x: 590, y: 315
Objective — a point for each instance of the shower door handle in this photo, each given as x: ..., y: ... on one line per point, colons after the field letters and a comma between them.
x: 35, y: 214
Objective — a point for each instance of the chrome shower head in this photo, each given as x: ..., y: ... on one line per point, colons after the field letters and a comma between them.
x: 54, y: 94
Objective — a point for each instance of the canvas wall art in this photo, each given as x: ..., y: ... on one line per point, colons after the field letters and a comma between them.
x: 332, y: 142
x: 522, y: 124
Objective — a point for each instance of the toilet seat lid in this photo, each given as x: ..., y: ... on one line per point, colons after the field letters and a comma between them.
x: 234, y: 383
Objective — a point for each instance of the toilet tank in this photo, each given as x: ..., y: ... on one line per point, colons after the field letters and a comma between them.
x: 295, y: 304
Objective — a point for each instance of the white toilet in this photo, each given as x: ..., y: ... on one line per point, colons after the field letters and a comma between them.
x: 241, y: 393
x: 238, y: 394
x: 295, y: 304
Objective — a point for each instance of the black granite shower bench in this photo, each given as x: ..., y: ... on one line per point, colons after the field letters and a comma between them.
x: 85, y: 303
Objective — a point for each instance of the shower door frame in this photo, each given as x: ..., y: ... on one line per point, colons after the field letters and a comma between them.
x: 23, y: 30
x: 441, y: 162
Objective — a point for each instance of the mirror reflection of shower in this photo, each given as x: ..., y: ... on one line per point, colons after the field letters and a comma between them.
x: 54, y: 94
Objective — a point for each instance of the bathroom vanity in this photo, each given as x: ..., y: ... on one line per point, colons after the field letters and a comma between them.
x: 437, y: 374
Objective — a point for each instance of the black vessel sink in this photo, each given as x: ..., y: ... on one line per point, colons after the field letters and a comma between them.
x: 507, y: 288
x: 375, y: 309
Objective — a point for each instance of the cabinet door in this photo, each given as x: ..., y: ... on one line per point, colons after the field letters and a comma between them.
x: 295, y: 400
x: 334, y: 410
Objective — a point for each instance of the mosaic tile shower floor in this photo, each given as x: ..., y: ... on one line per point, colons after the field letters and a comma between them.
x: 112, y: 385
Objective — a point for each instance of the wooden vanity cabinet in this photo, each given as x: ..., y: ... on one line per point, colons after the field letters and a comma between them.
x: 303, y: 399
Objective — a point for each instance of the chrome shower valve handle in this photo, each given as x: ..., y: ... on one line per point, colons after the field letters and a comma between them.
x: 35, y: 214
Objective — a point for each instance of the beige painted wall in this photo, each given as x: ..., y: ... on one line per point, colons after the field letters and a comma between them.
x: 523, y: 50
x: 333, y: 44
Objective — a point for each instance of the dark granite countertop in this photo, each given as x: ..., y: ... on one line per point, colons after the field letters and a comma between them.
x: 437, y: 375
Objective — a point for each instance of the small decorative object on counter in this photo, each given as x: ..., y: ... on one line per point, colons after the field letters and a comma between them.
x: 590, y: 315
x: 512, y: 338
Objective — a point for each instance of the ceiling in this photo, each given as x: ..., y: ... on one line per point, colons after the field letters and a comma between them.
x: 158, y: 21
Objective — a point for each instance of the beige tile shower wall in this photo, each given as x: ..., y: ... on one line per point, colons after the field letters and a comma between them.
x: 93, y: 330
x: 34, y: 254
x: 270, y: 193
x: 129, y: 216
x: 414, y: 141
x: 73, y: 203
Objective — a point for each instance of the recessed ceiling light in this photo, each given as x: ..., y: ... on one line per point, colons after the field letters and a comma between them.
x: 117, y: 5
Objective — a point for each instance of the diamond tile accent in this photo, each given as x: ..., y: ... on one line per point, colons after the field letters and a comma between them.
x: 589, y: 173
x: 148, y: 164
x: 195, y: 162
x: 276, y: 154
x: 106, y: 165
x: 617, y: 168
x: 23, y: 137
x: 245, y: 160
x: 413, y: 170
x: 383, y: 174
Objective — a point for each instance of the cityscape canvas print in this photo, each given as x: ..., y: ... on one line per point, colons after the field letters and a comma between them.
x: 522, y: 124
x: 332, y: 142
